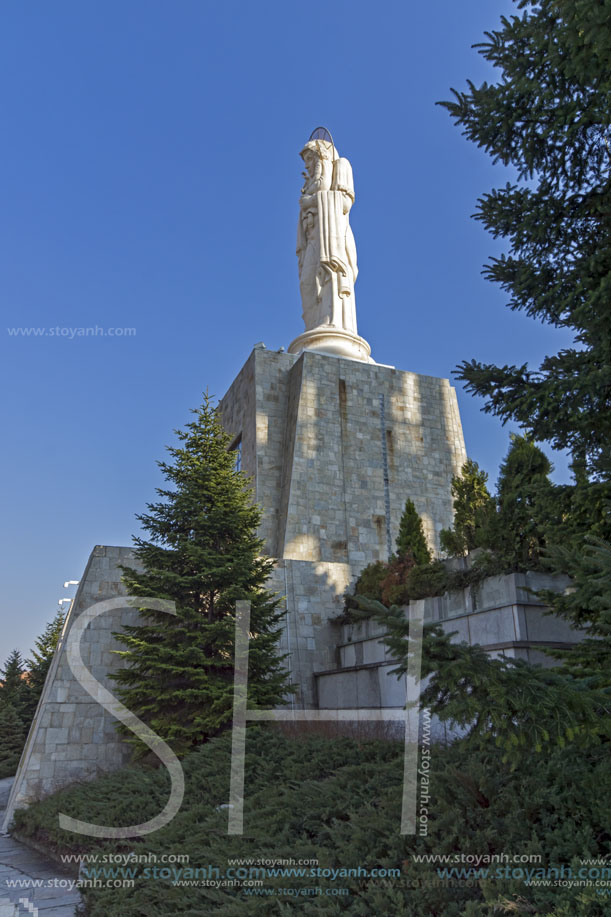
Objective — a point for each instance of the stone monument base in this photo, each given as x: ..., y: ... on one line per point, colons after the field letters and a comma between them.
x: 333, y: 448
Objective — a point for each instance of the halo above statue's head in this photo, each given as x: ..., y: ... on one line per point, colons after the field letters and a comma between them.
x: 321, y: 143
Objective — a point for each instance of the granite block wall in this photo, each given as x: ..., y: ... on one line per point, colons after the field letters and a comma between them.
x: 72, y: 737
x: 509, y: 621
x: 312, y: 595
x: 334, y: 448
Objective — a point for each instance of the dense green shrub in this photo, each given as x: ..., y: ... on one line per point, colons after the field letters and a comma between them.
x: 340, y: 801
x: 368, y: 583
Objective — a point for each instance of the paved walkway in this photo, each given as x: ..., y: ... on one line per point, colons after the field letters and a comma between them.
x: 53, y: 897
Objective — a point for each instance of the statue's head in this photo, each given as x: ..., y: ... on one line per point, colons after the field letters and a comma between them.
x: 318, y: 150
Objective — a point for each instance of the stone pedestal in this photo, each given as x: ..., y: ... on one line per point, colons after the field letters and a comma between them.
x: 334, y: 447
x: 334, y: 342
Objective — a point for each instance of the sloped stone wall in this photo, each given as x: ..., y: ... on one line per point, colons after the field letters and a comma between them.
x: 72, y: 737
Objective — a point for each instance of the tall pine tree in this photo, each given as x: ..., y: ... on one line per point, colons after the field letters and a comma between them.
x: 12, y: 739
x: 412, y: 552
x: 14, y: 715
x: 549, y: 117
x: 13, y: 684
x: 42, y: 654
x: 202, y: 553
x: 473, y: 507
x: 525, y: 502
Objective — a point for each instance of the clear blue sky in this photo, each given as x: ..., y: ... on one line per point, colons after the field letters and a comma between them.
x: 150, y: 178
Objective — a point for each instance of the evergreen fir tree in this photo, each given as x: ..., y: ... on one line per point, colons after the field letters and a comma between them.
x: 42, y: 654
x: 548, y: 117
x: 13, y: 684
x: 12, y: 739
x: 411, y: 538
x: 586, y: 603
x: 473, y: 507
x: 576, y: 512
x: 203, y: 553
x: 525, y: 501
x: 517, y: 705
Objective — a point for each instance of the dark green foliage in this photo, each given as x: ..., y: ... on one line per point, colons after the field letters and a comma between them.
x: 410, y: 539
x: 402, y: 581
x: 512, y: 703
x: 203, y: 554
x: 12, y: 738
x: 473, y: 506
x: 13, y: 684
x: 585, y: 603
x: 525, y: 505
x: 437, y: 577
x: 430, y: 579
x: 575, y: 511
x: 340, y: 802
x: 548, y: 118
x: 407, y: 582
x: 509, y: 702
x: 516, y: 525
x: 370, y: 580
x: 38, y: 665
x: 368, y: 583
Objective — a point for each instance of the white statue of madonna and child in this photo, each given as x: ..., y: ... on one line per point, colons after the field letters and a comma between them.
x: 326, y: 253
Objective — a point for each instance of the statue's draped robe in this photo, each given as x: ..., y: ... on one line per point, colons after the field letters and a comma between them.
x: 334, y: 252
